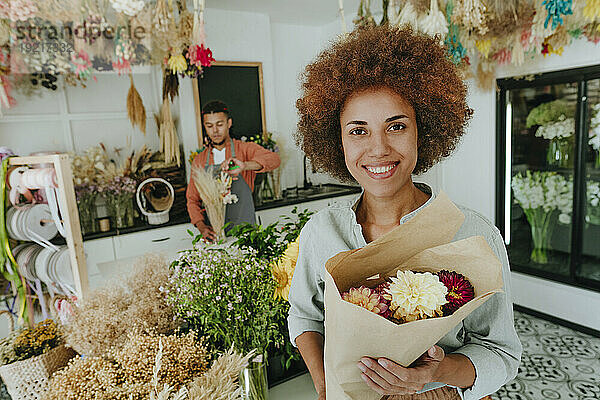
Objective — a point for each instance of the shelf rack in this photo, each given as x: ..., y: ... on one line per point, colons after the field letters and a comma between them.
x: 69, y: 214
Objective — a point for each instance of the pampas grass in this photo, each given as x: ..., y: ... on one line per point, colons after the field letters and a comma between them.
x: 209, y: 190
x: 167, y: 134
x: 220, y: 382
x: 107, y: 315
x: 135, y: 108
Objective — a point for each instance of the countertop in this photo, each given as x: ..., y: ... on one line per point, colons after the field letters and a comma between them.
x: 313, y: 193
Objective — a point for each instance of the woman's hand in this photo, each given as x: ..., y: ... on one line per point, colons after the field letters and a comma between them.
x: 388, y: 378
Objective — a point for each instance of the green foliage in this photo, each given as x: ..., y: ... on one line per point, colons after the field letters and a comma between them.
x: 271, y: 241
x: 548, y: 112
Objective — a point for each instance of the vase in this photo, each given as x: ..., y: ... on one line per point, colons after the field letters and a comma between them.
x: 120, y: 207
x: 253, y: 380
x: 87, y: 214
x: 541, y: 223
x: 593, y: 215
x: 560, y: 153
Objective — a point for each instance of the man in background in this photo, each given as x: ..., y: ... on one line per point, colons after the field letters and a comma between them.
x: 239, y: 159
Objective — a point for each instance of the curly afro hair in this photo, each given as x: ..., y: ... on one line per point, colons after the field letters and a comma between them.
x: 411, y: 64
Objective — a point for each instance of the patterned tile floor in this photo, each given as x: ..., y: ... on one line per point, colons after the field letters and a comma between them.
x: 557, y: 363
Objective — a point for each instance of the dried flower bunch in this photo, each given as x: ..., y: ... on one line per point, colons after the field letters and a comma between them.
x: 411, y: 296
x: 103, y: 319
x: 151, y: 367
x: 43, y: 337
x: 182, y: 359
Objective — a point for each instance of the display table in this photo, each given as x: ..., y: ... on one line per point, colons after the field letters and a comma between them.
x: 299, y: 388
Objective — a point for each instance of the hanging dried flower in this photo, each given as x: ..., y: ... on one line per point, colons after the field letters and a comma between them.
x: 128, y: 7
x: 169, y: 143
x: 83, y: 65
x: 364, y: 18
x: 484, y: 47
x: 518, y: 53
x: 408, y: 15
x: 434, y: 22
x: 162, y: 16
x: 177, y: 63
x: 471, y: 14
x: 135, y: 108
x: 170, y: 85
x: 591, y: 11
x: 200, y: 56
x: 555, y: 10
x: 18, y: 10
x: 502, y: 56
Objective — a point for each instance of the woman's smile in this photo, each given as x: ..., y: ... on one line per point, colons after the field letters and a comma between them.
x: 381, y: 170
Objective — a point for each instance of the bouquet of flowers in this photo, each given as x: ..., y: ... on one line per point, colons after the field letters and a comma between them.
x: 215, y: 195
x: 411, y: 296
x: 406, y: 285
x: 541, y: 195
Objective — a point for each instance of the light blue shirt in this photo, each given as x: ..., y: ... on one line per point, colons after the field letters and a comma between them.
x: 487, y: 336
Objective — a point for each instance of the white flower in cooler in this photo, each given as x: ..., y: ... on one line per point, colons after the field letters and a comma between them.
x: 563, y: 128
x: 595, y: 128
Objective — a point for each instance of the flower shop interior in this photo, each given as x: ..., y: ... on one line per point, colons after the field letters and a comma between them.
x: 98, y: 133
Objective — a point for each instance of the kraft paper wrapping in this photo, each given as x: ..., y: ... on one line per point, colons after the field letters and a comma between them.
x: 421, y: 244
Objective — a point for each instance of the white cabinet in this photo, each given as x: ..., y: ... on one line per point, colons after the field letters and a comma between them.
x: 170, y: 239
x: 97, y: 251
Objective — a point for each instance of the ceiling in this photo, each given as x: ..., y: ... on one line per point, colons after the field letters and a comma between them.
x: 297, y: 12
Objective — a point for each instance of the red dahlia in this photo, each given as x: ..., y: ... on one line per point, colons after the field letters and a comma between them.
x: 460, y: 290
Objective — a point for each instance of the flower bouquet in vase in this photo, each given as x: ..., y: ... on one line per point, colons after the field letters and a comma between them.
x: 594, y: 135
x: 543, y: 196
x: 382, y: 275
x: 556, y: 125
x: 119, y: 193
x: 593, y: 203
x: 86, y: 196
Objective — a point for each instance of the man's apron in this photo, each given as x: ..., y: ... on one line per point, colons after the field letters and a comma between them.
x: 243, y: 210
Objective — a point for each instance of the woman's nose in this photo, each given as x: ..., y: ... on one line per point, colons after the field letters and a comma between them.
x: 379, y: 144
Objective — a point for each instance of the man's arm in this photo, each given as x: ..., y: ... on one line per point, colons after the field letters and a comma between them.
x: 258, y: 156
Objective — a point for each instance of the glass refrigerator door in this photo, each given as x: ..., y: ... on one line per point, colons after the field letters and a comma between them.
x: 540, y: 136
x: 589, y: 268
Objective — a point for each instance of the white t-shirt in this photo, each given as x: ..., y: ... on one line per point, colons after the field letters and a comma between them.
x: 219, y: 155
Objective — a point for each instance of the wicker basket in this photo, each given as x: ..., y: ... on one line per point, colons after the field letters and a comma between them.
x: 29, y: 379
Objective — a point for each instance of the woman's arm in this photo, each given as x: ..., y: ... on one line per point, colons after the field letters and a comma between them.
x: 311, y: 346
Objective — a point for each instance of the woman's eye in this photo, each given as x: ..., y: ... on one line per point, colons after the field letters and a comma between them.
x: 358, y: 131
x: 397, y: 127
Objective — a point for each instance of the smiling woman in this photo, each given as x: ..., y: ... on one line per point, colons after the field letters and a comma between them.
x: 378, y: 106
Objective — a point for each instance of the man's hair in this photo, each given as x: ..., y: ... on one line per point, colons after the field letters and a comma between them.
x: 216, y: 106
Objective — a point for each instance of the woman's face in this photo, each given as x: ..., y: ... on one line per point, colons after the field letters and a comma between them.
x: 379, y: 137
